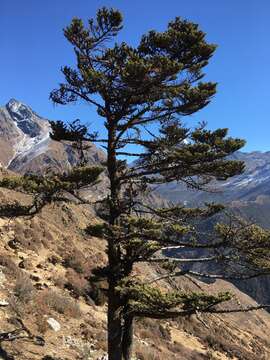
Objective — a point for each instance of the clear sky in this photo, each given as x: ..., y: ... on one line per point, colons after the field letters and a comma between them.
x: 33, y: 49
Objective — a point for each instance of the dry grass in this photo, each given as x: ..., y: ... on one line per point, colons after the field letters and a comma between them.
x: 23, y: 288
x: 147, y: 353
x: 23, y: 293
x: 54, y: 300
x: 59, y: 281
x: 76, y: 261
x: 149, y: 329
x: 76, y: 283
x: 32, y: 235
x: 10, y: 268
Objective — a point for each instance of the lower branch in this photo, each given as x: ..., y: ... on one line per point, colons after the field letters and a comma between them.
x: 175, y: 314
x: 207, y: 276
x: 179, y: 260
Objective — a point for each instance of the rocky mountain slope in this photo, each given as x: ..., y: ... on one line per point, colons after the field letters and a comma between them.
x: 26, y: 146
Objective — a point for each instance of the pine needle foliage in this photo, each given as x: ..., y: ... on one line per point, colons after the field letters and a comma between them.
x: 48, y: 188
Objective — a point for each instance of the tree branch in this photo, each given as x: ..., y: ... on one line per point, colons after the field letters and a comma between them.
x: 175, y: 314
x: 207, y: 276
x: 177, y: 260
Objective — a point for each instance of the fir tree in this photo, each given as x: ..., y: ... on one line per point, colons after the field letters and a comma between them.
x: 142, y: 94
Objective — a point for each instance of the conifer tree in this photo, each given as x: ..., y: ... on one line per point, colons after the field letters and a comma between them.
x: 142, y: 96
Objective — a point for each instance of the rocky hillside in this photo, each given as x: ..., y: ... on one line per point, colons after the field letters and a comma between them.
x: 54, y: 310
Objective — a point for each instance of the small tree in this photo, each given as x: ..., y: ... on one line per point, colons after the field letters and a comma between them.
x: 142, y: 93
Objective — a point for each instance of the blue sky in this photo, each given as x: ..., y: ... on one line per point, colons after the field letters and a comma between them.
x: 33, y: 49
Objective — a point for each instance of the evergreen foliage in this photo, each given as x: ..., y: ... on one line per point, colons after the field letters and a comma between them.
x: 48, y: 188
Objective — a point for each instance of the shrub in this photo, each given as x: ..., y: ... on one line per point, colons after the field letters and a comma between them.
x: 16, y: 306
x: 218, y: 343
x: 60, y: 303
x: 42, y: 324
x: 147, y: 353
x: 10, y: 268
x: 150, y: 328
x: 97, y: 293
x: 76, y: 261
x: 53, y: 259
x: 26, y: 237
x: 59, y: 281
x: 23, y: 288
x: 76, y: 283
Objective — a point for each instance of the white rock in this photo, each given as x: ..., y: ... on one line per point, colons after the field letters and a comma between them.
x: 54, y: 324
x: 3, y: 303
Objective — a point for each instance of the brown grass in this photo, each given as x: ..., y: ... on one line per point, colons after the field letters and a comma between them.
x: 76, y: 283
x: 10, y: 268
x: 76, y: 261
x: 23, y: 288
x: 54, y: 300
x: 147, y: 353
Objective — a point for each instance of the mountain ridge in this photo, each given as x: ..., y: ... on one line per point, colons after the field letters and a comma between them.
x: 254, y: 182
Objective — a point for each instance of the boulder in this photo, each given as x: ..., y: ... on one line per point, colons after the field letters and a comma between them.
x: 54, y: 324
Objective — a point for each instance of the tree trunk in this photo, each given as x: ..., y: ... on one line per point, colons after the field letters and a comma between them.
x: 127, y: 340
x: 114, y: 256
x: 114, y: 326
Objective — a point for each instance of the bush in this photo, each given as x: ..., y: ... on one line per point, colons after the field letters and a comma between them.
x: 53, y: 259
x: 23, y: 288
x: 76, y: 283
x: 60, y: 303
x: 150, y: 328
x: 26, y: 237
x: 219, y: 343
x: 76, y: 261
x: 147, y: 353
x: 59, y: 281
x: 41, y: 321
x: 97, y: 294
x: 16, y: 306
x: 10, y: 268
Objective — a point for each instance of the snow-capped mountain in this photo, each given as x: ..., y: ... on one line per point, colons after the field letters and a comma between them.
x: 253, y: 183
x: 25, y: 144
x: 32, y: 132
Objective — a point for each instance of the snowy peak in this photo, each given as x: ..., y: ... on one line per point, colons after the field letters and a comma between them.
x: 13, y: 105
x: 23, y: 134
x: 24, y: 118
